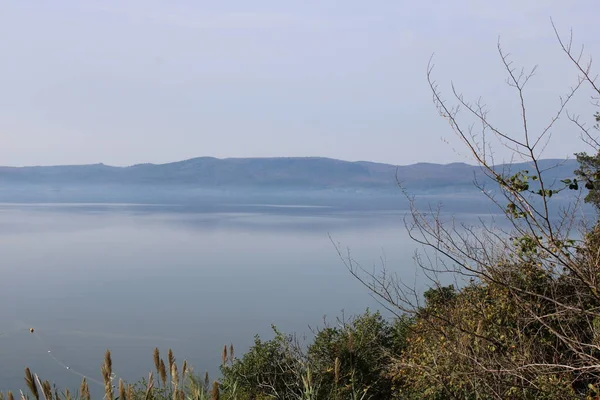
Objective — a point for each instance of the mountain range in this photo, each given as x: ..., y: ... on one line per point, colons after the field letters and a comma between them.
x: 271, y: 173
x: 218, y: 184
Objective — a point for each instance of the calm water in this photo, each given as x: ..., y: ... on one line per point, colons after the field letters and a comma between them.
x: 130, y: 278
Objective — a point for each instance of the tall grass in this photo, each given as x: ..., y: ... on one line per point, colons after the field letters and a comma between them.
x: 174, y: 383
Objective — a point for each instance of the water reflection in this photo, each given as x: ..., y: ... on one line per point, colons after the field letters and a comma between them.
x: 129, y: 278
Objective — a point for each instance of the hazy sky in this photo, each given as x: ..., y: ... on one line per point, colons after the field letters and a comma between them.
x: 123, y: 82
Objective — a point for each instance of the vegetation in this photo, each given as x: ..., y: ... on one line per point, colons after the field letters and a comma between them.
x: 348, y: 361
x: 524, y: 322
x: 521, y: 321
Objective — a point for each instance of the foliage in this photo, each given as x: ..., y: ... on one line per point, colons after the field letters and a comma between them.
x: 270, y: 369
x: 355, y: 355
x: 469, y: 348
x: 589, y: 167
x: 527, y: 324
x: 348, y: 361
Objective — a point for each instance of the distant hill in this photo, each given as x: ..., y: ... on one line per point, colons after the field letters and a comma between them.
x: 269, y: 173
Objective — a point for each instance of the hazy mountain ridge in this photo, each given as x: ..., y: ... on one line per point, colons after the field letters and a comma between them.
x: 306, y: 173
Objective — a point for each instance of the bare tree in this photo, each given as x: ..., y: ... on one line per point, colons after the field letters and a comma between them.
x: 544, y: 270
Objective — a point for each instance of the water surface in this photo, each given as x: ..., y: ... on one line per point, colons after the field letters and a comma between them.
x: 130, y: 277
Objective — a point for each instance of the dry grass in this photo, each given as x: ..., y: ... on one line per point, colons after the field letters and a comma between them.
x: 177, y: 384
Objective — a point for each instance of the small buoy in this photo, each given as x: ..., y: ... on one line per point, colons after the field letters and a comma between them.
x: 31, y: 330
x: 68, y: 368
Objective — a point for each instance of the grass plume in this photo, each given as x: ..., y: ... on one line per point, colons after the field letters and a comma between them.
x: 30, y: 382
x: 46, y: 388
x: 107, y: 375
x: 163, y: 373
x: 171, y: 359
x: 122, y: 395
x: 184, y: 370
x: 84, y: 390
x: 149, y: 386
x: 156, y: 357
x: 224, y: 355
x: 215, y: 393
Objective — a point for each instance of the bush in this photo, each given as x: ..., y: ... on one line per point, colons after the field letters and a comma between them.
x: 349, y: 361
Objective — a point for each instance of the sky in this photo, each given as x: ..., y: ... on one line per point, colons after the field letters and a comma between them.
x: 122, y: 82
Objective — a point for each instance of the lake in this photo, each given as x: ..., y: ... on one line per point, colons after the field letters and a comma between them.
x: 91, y: 277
